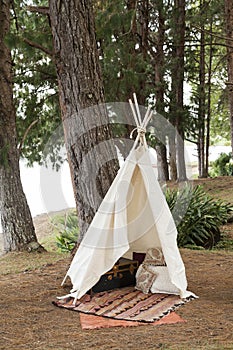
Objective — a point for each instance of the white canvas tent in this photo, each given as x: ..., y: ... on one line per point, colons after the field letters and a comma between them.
x: 133, y: 217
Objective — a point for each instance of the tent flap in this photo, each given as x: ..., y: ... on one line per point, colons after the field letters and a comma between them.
x: 133, y: 217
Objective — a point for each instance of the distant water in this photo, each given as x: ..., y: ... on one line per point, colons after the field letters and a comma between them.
x: 214, y: 152
x: 46, y: 190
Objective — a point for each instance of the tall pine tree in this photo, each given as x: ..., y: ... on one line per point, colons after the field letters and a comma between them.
x: 229, y: 42
x: 18, y: 229
x: 91, y: 151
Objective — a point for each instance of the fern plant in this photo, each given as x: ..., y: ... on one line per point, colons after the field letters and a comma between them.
x: 67, y: 229
x: 198, y: 218
x: 200, y: 224
x: 223, y: 165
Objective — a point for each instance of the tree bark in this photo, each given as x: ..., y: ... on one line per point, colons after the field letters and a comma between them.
x: 159, y: 87
x: 229, y: 34
x: 208, y: 116
x: 177, y: 106
x: 162, y: 166
x: 90, y: 148
x: 18, y: 229
x: 172, y: 158
x: 201, y: 108
x: 181, y: 170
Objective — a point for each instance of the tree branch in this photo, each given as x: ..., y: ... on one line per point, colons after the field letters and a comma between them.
x: 195, y: 142
x: 208, y: 44
x: 216, y: 35
x: 15, y: 15
x: 25, y: 135
x: 44, y: 10
x: 38, y: 46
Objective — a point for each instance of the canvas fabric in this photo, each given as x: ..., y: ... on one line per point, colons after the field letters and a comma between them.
x: 133, y: 217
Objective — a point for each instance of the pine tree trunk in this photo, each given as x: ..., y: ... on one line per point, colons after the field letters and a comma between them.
x: 178, y: 84
x: 172, y: 158
x: 162, y: 166
x: 208, y: 116
x: 91, y: 151
x: 181, y: 168
x: 159, y: 87
x: 229, y: 34
x: 201, y: 109
x: 18, y: 229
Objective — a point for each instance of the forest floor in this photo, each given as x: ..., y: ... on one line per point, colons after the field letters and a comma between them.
x: 29, y: 282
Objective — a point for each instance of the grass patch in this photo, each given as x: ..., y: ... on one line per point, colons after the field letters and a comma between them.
x: 220, y: 188
x: 49, y: 242
x: 225, y: 243
x: 199, y: 347
x: 17, y: 262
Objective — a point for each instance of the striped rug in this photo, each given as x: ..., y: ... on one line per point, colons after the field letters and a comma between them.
x: 125, y: 304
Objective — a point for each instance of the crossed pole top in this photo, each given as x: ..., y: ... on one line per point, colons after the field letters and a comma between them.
x: 141, y: 123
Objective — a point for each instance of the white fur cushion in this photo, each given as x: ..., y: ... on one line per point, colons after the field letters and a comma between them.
x: 162, y: 283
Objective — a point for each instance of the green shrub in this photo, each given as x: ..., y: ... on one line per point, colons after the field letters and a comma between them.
x: 199, y: 223
x: 222, y: 166
x: 67, y: 229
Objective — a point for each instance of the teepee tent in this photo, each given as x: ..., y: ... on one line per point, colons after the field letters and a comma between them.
x: 133, y: 217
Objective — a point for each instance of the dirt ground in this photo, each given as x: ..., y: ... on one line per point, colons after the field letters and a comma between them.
x: 28, y: 320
